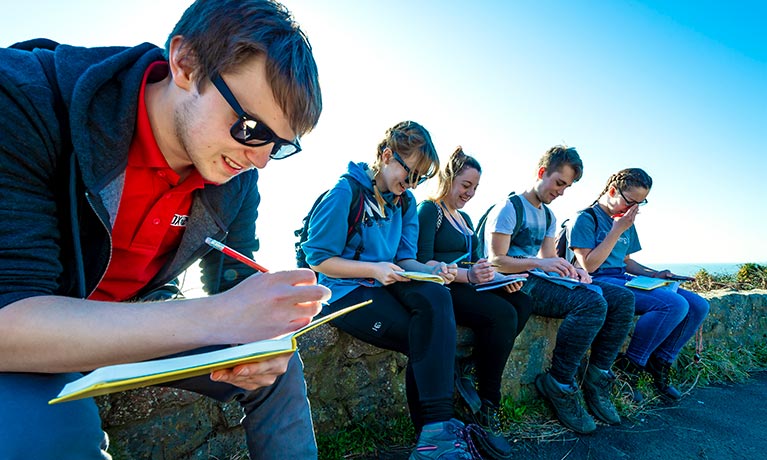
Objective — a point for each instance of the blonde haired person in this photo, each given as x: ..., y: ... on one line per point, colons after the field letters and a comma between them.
x: 412, y: 317
x: 495, y: 316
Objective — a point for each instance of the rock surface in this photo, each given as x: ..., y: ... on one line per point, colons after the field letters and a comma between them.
x: 350, y: 381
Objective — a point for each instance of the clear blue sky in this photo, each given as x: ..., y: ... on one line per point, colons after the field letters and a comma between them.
x: 676, y: 88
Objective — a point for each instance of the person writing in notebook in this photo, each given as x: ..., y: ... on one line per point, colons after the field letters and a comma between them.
x: 590, y: 320
x: 117, y: 164
x: 412, y: 317
x: 496, y: 316
x: 603, y: 242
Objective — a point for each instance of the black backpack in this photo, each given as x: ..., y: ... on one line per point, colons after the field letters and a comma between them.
x: 519, y: 209
x: 561, y: 240
x: 354, y: 220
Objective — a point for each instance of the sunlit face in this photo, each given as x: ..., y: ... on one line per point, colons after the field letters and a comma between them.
x: 394, y: 177
x: 203, y: 123
x: 620, y: 201
x: 464, y: 187
x: 550, y: 187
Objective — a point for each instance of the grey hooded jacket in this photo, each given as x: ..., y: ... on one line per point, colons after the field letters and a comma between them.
x: 99, y: 88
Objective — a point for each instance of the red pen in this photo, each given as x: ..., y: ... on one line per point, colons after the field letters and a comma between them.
x: 234, y: 254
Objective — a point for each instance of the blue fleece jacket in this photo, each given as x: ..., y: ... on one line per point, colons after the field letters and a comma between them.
x: 388, y: 238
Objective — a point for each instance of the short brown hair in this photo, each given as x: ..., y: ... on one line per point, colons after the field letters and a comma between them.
x: 559, y: 156
x: 223, y: 34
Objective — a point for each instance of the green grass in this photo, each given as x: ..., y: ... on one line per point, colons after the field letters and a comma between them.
x: 528, y: 417
x: 362, y: 440
x: 748, y: 277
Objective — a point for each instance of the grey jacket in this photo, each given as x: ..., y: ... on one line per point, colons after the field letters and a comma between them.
x: 99, y: 89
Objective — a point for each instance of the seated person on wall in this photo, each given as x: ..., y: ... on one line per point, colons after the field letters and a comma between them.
x: 412, y: 317
x: 496, y: 316
x: 668, y: 319
x: 165, y: 156
x: 590, y: 320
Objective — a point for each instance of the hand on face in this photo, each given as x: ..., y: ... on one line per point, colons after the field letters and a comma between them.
x: 624, y: 220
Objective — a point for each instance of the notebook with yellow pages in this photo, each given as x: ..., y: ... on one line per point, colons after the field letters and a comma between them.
x: 646, y: 283
x: 422, y: 276
x: 121, y: 377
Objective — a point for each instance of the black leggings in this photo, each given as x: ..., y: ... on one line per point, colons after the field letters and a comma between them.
x: 414, y: 318
x: 496, y: 317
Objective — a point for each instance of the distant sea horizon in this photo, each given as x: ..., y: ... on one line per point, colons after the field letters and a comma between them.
x: 691, y: 269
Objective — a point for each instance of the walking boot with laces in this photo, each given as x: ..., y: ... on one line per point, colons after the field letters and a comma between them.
x: 566, y: 404
x: 442, y: 441
x: 490, y: 438
x: 597, y: 386
x: 661, y: 378
x: 629, y: 373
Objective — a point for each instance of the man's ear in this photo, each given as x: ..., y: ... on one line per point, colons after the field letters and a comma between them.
x: 182, y: 63
x: 541, y: 172
x: 611, y: 191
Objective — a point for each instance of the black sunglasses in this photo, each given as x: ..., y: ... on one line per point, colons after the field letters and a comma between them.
x: 632, y: 203
x: 412, y: 177
x: 248, y: 130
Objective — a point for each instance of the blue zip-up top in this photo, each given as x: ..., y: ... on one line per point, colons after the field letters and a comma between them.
x: 385, y: 239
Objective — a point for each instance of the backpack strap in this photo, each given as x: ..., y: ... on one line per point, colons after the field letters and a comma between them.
x: 519, y: 209
x: 593, y: 214
x: 356, y: 214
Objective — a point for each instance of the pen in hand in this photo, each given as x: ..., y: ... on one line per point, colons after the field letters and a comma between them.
x: 475, y: 263
x: 215, y: 244
x: 459, y: 259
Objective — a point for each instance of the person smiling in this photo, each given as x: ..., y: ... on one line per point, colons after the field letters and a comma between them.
x: 117, y: 163
x: 590, y: 320
x: 412, y: 317
x: 496, y: 316
x: 603, y: 242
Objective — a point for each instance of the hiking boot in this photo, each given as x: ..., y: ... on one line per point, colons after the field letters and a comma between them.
x: 661, y: 378
x: 629, y: 372
x: 566, y: 404
x: 443, y: 441
x: 597, y: 386
x: 490, y: 438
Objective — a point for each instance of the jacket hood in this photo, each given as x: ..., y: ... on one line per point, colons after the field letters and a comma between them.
x: 100, y: 87
x: 359, y: 171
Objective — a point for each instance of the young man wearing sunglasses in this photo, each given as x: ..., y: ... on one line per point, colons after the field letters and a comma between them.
x: 117, y: 163
x: 594, y: 315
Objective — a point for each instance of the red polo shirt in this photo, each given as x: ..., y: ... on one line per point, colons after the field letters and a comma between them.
x: 153, y: 210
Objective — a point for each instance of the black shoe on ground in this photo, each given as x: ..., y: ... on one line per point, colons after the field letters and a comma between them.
x: 490, y: 439
x: 566, y: 404
x: 597, y: 388
x: 661, y: 378
x: 629, y: 372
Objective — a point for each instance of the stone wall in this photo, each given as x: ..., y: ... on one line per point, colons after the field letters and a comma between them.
x: 350, y: 381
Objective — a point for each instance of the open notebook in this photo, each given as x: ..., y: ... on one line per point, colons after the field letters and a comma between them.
x: 121, y: 377
x: 422, y: 276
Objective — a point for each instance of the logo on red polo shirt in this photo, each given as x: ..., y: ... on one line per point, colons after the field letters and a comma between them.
x: 179, y: 220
